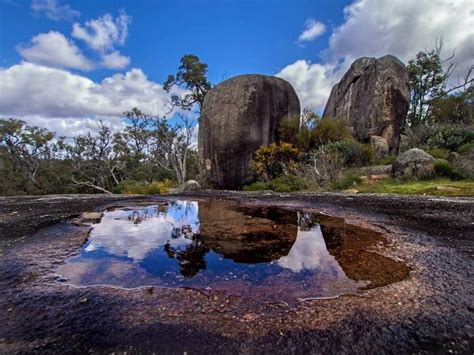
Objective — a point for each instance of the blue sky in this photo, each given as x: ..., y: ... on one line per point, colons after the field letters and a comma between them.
x: 233, y: 37
x: 64, y: 64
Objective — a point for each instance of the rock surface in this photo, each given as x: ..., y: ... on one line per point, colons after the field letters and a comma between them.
x: 464, y: 162
x: 380, y: 146
x: 373, y: 96
x: 189, y: 185
x: 414, y: 163
x: 238, y: 116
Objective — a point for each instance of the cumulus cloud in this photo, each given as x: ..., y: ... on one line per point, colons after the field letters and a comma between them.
x: 34, y: 90
x: 103, y: 33
x: 115, y: 60
x: 378, y: 27
x: 312, y: 30
x: 54, y: 49
x: 52, y: 10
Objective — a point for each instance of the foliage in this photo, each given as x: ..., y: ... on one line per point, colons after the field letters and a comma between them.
x: 142, y: 188
x: 331, y: 130
x: 466, y: 148
x: 449, y: 136
x: 438, y: 187
x: 444, y: 169
x: 438, y: 153
x: 387, y: 160
x: 323, y: 164
x: 192, y: 75
x: 345, y: 183
x: 454, y: 109
x: 275, y: 160
x: 353, y: 153
x: 287, y: 183
x: 299, y: 131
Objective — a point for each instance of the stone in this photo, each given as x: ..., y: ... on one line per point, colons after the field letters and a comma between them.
x: 414, y: 163
x: 190, y: 185
x: 463, y: 162
x: 91, y: 217
x: 373, y: 96
x: 380, y: 146
x: 238, y: 116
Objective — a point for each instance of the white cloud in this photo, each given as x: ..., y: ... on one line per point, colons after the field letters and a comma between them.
x: 33, y: 90
x: 115, y: 60
x: 52, y: 10
x: 402, y: 28
x: 53, y: 49
x: 312, y: 30
x: 312, y: 81
x: 378, y: 27
x: 103, y: 33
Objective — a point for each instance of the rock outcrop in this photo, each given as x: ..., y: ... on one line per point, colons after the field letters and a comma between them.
x: 414, y: 163
x: 373, y: 96
x: 190, y: 185
x: 239, y: 115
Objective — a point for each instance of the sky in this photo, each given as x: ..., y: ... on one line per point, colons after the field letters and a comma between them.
x: 65, y: 64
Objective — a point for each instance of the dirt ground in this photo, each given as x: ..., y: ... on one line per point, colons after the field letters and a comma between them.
x: 430, y: 311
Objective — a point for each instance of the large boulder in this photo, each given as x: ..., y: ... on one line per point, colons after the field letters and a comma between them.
x: 414, y: 163
x: 238, y: 116
x: 373, y: 96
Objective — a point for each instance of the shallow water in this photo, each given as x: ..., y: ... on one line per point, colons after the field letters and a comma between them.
x: 268, y: 253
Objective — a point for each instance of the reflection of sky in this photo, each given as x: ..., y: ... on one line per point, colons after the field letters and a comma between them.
x: 118, y: 236
x: 309, y: 252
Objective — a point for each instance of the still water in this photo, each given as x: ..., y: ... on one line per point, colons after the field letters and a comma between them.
x: 268, y: 253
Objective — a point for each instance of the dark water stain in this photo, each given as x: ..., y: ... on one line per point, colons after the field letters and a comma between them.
x: 268, y: 253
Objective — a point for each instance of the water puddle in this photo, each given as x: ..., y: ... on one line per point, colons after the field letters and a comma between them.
x: 268, y: 253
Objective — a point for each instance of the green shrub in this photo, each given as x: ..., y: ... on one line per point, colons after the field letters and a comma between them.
x: 331, y: 130
x: 132, y: 187
x: 288, y: 183
x: 444, y: 169
x: 387, y: 160
x: 466, y: 148
x: 346, y: 183
x: 275, y: 160
x: 353, y: 153
x: 438, y: 153
x: 449, y: 137
x: 257, y: 186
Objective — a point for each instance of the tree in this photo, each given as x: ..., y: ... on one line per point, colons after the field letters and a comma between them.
x: 428, y: 82
x: 26, y: 146
x: 192, y: 76
x: 172, y: 145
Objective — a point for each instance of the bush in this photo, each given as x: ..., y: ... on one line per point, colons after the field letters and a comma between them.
x: 331, y: 130
x: 287, y: 183
x: 275, y: 160
x: 438, y: 153
x: 466, y: 148
x: 354, y: 153
x: 141, y: 188
x: 387, y: 160
x: 159, y: 187
x: 449, y: 137
x: 257, y: 186
x: 346, y: 183
x: 444, y: 169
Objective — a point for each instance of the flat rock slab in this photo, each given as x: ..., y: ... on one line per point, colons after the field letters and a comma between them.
x: 430, y: 311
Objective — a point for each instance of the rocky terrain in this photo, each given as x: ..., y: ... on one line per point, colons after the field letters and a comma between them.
x: 429, y: 311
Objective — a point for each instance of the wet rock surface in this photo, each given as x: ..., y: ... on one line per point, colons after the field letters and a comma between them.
x: 430, y: 311
x: 373, y: 96
x: 238, y: 116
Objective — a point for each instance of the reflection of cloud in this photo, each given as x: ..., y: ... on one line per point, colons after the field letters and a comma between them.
x: 309, y: 253
x: 119, y: 236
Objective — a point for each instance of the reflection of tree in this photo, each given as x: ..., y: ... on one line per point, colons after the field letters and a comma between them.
x: 306, y: 221
x: 190, y: 258
x: 136, y: 218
